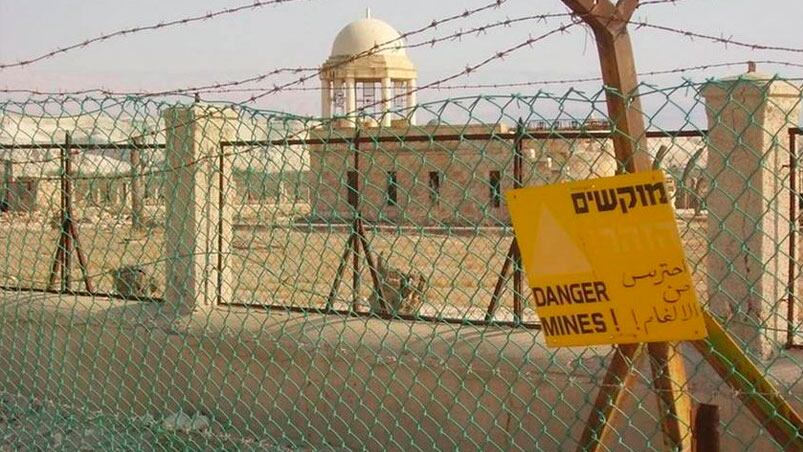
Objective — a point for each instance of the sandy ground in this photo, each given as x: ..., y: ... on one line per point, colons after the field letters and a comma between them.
x: 35, y: 424
x: 280, y: 265
x: 293, y: 266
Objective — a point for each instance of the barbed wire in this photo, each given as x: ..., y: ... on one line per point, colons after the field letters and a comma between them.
x: 558, y: 81
x: 133, y: 30
x: 256, y: 4
x: 377, y: 48
x: 467, y: 71
x: 655, y: 2
x: 555, y: 81
x: 576, y: 20
x: 362, y: 110
x: 189, y: 91
x: 222, y: 87
x: 676, y: 70
x: 484, y: 28
x: 359, y: 111
x: 718, y: 39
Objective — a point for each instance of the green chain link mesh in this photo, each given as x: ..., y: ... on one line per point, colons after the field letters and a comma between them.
x: 259, y: 219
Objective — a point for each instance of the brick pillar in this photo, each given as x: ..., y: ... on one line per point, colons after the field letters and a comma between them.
x: 198, y: 220
x: 748, y: 205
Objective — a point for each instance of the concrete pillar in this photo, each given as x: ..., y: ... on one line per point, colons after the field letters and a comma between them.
x: 748, y: 205
x: 387, y: 102
x: 326, y: 99
x: 351, y: 98
x: 411, y: 102
x: 198, y: 220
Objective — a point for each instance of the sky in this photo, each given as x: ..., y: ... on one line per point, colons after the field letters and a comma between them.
x: 300, y: 33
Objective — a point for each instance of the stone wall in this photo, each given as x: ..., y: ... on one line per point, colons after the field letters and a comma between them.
x: 464, y: 171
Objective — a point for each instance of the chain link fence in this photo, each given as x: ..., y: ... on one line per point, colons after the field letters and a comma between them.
x: 213, y: 276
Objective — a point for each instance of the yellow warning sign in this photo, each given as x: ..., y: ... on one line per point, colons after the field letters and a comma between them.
x: 605, y: 262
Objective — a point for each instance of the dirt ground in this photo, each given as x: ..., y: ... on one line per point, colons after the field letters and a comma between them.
x: 295, y: 266
x: 35, y: 424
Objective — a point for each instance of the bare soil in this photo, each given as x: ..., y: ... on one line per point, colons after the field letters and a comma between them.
x: 291, y: 266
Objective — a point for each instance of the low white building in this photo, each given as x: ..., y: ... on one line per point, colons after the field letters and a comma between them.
x: 275, y: 173
x: 31, y: 179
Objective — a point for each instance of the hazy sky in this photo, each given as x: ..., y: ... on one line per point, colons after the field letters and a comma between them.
x: 300, y: 33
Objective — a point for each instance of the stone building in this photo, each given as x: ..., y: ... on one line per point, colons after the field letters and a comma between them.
x: 357, y: 76
x: 28, y: 180
x: 31, y: 180
x: 101, y: 180
x: 421, y: 181
x: 455, y: 182
x: 273, y: 174
x: 31, y: 175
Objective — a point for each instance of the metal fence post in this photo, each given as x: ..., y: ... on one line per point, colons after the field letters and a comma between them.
x: 794, y: 224
x: 66, y: 202
x: 136, y: 185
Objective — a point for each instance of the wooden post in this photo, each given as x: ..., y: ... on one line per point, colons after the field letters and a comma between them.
x: 618, y: 376
x: 609, y: 24
x: 751, y: 385
x: 706, y: 428
x: 671, y: 385
x: 722, y: 353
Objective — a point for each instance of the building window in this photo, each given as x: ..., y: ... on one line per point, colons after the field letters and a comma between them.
x: 393, y: 185
x: 352, y: 187
x: 367, y: 102
x: 495, y: 184
x: 434, y: 187
x: 339, y: 99
x: 399, y: 94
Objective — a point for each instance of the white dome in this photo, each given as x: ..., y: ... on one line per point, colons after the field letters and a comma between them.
x: 363, y: 35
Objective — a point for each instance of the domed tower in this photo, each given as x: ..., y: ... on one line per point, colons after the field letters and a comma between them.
x: 368, y: 70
